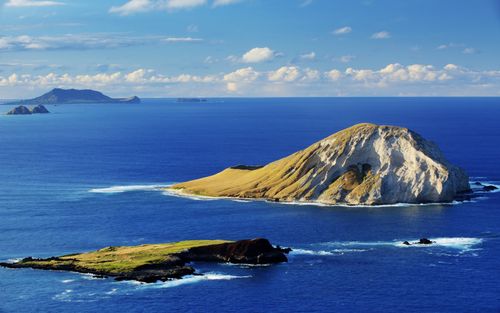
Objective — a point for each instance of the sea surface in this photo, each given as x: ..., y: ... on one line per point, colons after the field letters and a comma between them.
x: 88, y: 176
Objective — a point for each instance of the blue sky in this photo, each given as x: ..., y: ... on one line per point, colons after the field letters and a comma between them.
x: 170, y: 48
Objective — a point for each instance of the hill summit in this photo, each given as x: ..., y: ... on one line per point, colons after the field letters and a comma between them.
x: 64, y: 96
x: 365, y: 164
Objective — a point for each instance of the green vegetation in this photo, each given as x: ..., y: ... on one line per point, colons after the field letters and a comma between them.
x: 118, y: 260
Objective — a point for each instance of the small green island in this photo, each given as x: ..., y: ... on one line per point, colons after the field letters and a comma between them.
x: 159, y: 262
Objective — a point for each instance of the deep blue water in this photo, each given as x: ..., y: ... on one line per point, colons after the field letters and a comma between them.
x: 347, y: 259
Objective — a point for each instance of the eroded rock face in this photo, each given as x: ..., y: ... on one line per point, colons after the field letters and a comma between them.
x: 255, y: 251
x: 364, y: 164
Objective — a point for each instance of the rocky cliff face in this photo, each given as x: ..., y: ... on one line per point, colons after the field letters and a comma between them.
x: 364, y: 164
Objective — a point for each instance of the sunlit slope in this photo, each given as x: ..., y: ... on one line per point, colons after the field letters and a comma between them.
x: 364, y: 164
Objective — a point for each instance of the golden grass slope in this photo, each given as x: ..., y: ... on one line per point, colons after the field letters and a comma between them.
x: 357, y: 165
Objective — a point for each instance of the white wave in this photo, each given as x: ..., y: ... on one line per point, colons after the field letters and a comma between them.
x: 245, y: 265
x: 462, y: 243
x: 342, y: 251
x: 180, y: 194
x: 15, y: 260
x: 90, y: 276
x: 128, y: 188
x: 310, y: 252
x: 191, y: 279
x: 112, y: 291
x: 64, y: 296
x: 67, y: 281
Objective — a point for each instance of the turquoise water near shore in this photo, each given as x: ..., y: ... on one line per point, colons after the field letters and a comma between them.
x: 88, y: 176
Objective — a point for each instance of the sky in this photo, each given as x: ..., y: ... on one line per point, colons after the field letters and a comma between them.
x: 251, y: 48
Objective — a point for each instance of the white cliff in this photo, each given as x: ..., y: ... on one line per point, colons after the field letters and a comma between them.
x: 364, y: 164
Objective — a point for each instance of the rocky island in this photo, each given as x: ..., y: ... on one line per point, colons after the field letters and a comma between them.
x: 365, y: 164
x: 20, y: 110
x: 66, y: 96
x: 159, y: 262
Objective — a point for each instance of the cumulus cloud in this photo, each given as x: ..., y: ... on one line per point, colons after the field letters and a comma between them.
x: 257, y: 55
x: 381, y: 35
x: 342, y: 31
x: 32, y: 3
x: 285, y: 74
x: 333, y: 75
x: 392, y: 79
x: 242, y: 74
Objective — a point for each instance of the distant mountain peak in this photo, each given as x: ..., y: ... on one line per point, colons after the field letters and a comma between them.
x: 64, y: 96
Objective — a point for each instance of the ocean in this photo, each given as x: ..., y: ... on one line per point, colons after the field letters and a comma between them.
x: 89, y: 176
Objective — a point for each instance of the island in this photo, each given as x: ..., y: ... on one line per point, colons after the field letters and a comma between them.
x: 39, y: 109
x: 20, y: 110
x: 195, y: 100
x: 66, y: 96
x: 23, y: 110
x: 159, y: 262
x: 365, y: 164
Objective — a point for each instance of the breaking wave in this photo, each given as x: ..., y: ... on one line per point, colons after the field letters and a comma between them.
x: 191, y: 279
x: 128, y: 188
x: 461, y: 243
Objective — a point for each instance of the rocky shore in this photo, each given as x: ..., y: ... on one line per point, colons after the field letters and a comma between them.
x: 159, y: 262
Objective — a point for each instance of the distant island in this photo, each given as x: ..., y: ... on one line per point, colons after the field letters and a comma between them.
x: 22, y: 110
x: 191, y: 100
x: 365, y: 164
x: 67, y: 96
x: 159, y: 262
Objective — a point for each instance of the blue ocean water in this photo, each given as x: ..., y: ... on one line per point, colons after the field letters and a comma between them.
x: 83, y: 178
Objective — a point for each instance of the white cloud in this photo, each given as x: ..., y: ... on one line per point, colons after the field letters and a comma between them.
x: 451, y: 67
x: 140, y: 6
x: 84, y: 41
x: 342, y: 31
x: 232, y: 87
x: 360, y: 74
x: 392, y: 79
x: 218, y: 3
x: 308, y: 56
x: 346, y: 58
x: 242, y: 74
x: 133, y: 6
x: 285, y: 74
x: 32, y: 3
x: 334, y: 75
x: 305, y: 3
x: 381, y: 35
x: 469, y: 51
x: 184, y: 4
x: 310, y: 75
x: 183, y: 39
x: 257, y: 55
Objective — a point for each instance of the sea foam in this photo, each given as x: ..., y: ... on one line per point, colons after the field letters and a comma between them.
x: 191, y: 279
x: 461, y: 243
x: 128, y: 188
